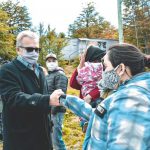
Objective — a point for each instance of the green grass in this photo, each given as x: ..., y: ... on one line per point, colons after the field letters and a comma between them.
x: 72, y: 134
x: 1, y: 145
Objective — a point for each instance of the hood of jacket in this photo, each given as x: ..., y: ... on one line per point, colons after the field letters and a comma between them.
x: 141, y: 80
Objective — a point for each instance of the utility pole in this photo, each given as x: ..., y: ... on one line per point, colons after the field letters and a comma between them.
x: 120, y: 26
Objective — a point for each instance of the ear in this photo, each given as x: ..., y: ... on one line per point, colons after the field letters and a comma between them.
x: 18, y: 51
x: 121, y: 69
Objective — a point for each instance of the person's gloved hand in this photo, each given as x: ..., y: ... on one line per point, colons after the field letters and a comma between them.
x: 87, y: 98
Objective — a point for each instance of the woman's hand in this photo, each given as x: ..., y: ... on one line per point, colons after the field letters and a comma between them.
x: 82, y: 60
x: 87, y: 98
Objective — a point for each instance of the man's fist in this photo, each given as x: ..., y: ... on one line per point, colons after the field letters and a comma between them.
x: 54, y: 97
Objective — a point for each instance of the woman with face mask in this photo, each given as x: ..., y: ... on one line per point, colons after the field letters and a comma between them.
x: 122, y: 120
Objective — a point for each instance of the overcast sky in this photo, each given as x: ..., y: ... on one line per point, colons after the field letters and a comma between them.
x: 60, y: 13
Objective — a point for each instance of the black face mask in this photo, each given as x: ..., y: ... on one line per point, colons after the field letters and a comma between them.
x: 94, y: 54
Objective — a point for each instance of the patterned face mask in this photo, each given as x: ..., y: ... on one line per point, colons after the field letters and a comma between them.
x: 109, y: 79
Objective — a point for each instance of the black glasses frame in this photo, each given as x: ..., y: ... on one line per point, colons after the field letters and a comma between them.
x: 31, y: 49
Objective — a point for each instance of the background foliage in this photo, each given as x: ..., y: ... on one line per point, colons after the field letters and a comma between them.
x: 6, y: 38
x: 19, y: 18
x: 136, y: 23
x: 90, y: 24
x: 50, y: 42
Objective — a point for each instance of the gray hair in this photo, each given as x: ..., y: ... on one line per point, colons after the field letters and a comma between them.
x: 26, y: 33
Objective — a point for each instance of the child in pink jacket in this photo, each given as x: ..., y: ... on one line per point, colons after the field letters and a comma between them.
x: 88, y: 76
x: 90, y: 72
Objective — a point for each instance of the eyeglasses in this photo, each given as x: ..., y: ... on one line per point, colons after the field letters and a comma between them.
x: 31, y: 49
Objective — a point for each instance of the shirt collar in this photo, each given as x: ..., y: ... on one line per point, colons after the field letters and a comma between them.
x: 28, y: 65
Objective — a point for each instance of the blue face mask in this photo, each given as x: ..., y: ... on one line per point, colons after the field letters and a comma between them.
x: 31, y: 57
x: 109, y: 79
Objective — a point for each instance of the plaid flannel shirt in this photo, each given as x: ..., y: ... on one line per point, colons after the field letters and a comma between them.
x: 126, y: 123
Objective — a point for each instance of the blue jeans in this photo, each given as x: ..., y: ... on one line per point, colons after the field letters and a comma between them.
x: 58, y: 142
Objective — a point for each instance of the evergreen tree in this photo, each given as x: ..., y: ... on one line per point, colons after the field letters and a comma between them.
x: 42, y: 32
x: 90, y: 24
x: 55, y: 42
x: 50, y: 41
x: 19, y: 18
x: 7, y: 49
x: 137, y: 23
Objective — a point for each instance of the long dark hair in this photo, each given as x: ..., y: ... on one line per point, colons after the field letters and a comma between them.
x: 129, y: 55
